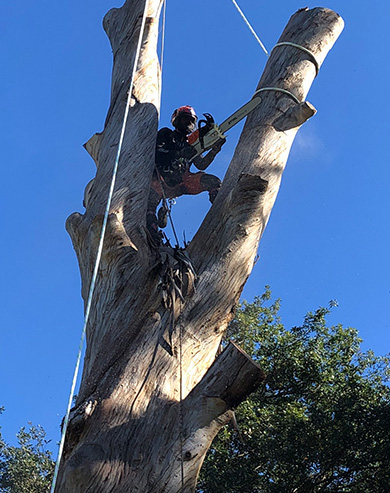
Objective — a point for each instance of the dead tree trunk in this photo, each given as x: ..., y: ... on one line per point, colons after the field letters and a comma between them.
x: 128, y: 431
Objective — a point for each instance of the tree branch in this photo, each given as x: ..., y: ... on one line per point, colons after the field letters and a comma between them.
x: 129, y: 202
x: 294, y: 116
x: 207, y: 408
x: 228, y: 238
x: 228, y: 381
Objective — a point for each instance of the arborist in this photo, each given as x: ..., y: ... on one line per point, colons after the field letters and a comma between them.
x: 172, y: 176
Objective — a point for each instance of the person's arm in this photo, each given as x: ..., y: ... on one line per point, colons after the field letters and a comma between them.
x: 164, y: 152
x: 203, y: 163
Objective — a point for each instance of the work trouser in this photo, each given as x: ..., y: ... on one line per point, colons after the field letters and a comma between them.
x: 190, y: 184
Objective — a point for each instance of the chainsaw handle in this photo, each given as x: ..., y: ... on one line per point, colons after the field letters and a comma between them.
x: 205, y: 126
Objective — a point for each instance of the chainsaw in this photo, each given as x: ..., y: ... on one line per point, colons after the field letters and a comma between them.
x: 209, y: 133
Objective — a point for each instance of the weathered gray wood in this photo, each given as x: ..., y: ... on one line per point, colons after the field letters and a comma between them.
x: 124, y: 434
x: 294, y: 117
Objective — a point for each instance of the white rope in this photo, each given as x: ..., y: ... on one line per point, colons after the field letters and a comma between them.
x: 302, y: 48
x: 277, y: 89
x: 250, y: 27
x: 159, y: 115
x: 100, y: 248
x: 177, y: 242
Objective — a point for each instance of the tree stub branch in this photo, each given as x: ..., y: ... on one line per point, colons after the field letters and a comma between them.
x: 230, y: 379
x: 295, y: 116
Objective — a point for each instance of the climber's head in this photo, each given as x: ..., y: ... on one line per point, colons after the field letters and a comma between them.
x: 184, y: 119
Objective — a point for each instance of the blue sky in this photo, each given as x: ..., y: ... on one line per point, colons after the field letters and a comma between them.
x: 328, y: 234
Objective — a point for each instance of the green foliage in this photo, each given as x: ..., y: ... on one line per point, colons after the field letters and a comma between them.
x: 320, y: 423
x: 27, y: 468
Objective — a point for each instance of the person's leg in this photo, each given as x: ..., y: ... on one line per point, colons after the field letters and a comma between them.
x: 195, y: 183
x: 211, y: 184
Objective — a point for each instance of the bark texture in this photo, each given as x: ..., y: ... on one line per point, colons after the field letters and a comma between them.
x: 153, y: 393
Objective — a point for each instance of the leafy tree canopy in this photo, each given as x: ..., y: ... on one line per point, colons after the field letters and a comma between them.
x: 320, y: 423
x: 27, y: 468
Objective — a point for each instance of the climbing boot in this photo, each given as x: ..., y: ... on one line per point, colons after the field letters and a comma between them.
x: 162, y: 216
x: 213, y: 194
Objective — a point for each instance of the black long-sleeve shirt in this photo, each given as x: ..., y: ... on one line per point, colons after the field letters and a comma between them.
x: 174, y: 156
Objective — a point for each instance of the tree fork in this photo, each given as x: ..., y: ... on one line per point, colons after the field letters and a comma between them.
x: 124, y: 432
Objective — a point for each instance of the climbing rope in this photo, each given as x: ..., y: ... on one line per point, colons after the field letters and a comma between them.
x: 100, y: 248
x: 165, y: 201
x: 169, y: 209
x: 250, y: 27
x: 302, y: 48
x: 165, y: 205
x: 277, y: 89
x: 282, y: 43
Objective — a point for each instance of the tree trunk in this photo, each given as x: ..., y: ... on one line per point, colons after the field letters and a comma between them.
x: 153, y: 393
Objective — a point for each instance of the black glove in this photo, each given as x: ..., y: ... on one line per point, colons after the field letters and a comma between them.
x: 218, y: 145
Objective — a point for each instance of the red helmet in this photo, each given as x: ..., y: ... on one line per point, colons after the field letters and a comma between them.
x: 188, y: 110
